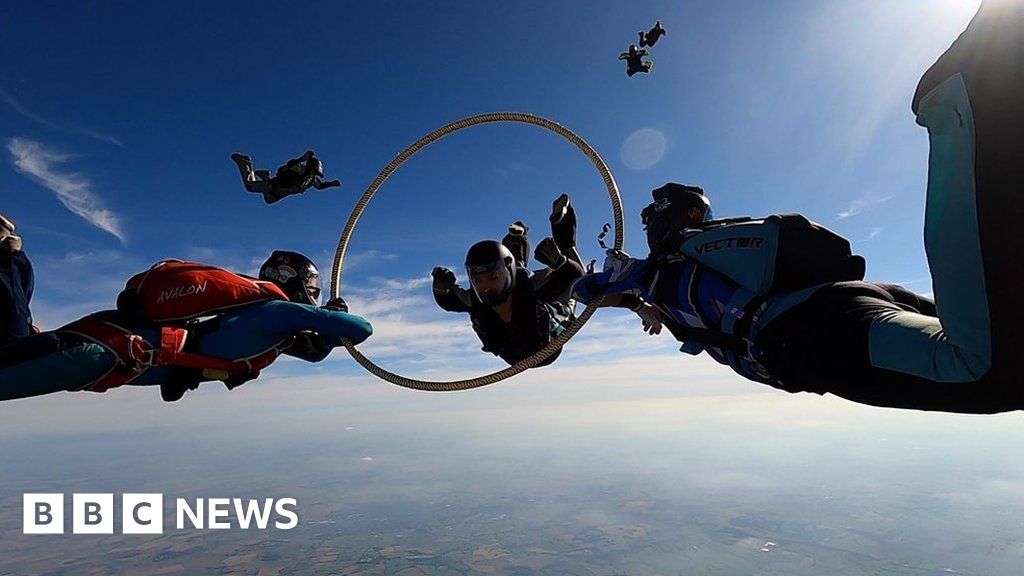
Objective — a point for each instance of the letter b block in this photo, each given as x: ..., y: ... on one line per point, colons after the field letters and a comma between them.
x: 92, y: 514
x: 43, y: 514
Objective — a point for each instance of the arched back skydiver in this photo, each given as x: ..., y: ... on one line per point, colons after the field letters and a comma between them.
x: 635, y: 63
x: 516, y: 313
x: 62, y: 360
x: 651, y: 37
x: 17, y: 281
x: 879, y: 344
x: 294, y: 177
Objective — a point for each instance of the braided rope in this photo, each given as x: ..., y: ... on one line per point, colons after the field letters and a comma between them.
x: 364, y: 201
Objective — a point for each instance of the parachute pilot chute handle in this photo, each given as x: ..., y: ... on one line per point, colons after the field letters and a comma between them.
x: 364, y: 201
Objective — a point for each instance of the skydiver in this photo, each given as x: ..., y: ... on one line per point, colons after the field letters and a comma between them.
x: 516, y: 313
x: 294, y: 177
x: 63, y: 360
x: 871, y: 343
x: 635, y: 62
x: 651, y: 37
x: 17, y: 281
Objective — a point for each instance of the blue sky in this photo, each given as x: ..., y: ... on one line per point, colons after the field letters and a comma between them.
x: 117, y: 121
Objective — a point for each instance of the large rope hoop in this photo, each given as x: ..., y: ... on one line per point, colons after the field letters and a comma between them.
x: 364, y: 201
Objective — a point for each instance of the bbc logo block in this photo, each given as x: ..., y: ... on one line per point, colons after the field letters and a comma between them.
x: 93, y: 513
x: 142, y: 513
x: 43, y: 513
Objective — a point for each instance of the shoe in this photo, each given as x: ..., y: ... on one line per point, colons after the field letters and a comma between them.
x: 173, y: 391
x: 243, y: 162
x: 517, y: 228
x: 559, y: 208
x: 11, y: 243
x: 6, y: 224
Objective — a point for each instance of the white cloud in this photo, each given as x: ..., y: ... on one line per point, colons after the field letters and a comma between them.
x: 72, y: 189
x: 367, y: 256
x: 20, y: 109
x: 513, y: 168
x: 861, y: 204
x: 872, y: 233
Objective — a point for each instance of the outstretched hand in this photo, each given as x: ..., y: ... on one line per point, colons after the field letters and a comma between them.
x: 337, y: 304
x: 651, y: 318
x: 548, y: 254
x: 444, y: 280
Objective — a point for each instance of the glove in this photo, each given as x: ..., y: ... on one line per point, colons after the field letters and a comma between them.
x: 444, y: 280
x: 11, y: 243
x: 651, y: 318
x: 337, y: 304
x: 306, y: 346
x: 548, y: 254
x: 618, y: 263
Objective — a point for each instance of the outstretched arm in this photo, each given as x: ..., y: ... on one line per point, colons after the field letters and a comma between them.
x: 457, y: 299
x: 258, y: 327
x: 321, y: 185
x: 621, y: 277
x: 559, y: 280
x: 448, y: 294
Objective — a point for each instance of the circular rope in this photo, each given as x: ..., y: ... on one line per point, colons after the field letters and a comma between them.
x: 543, y: 353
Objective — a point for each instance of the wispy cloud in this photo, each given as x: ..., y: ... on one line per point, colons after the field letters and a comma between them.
x: 874, y: 232
x: 72, y: 189
x: 100, y: 136
x: 514, y: 167
x: 366, y: 257
x: 861, y: 204
x: 13, y: 104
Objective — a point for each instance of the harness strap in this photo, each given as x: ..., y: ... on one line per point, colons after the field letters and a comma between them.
x: 134, y: 354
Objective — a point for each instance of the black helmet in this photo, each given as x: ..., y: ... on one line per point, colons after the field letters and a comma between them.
x: 315, y: 167
x: 671, y: 212
x: 492, y: 271
x: 295, y: 274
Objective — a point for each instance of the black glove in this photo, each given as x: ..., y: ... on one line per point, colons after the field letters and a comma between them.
x: 306, y: 346
x: 444, y: 280
x: 548, y: 254
x: 337, y: 304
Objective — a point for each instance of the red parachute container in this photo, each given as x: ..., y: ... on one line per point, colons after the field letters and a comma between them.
x: 174, y: 291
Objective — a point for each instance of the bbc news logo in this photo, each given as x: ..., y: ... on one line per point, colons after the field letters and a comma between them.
x: 144, y: 513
